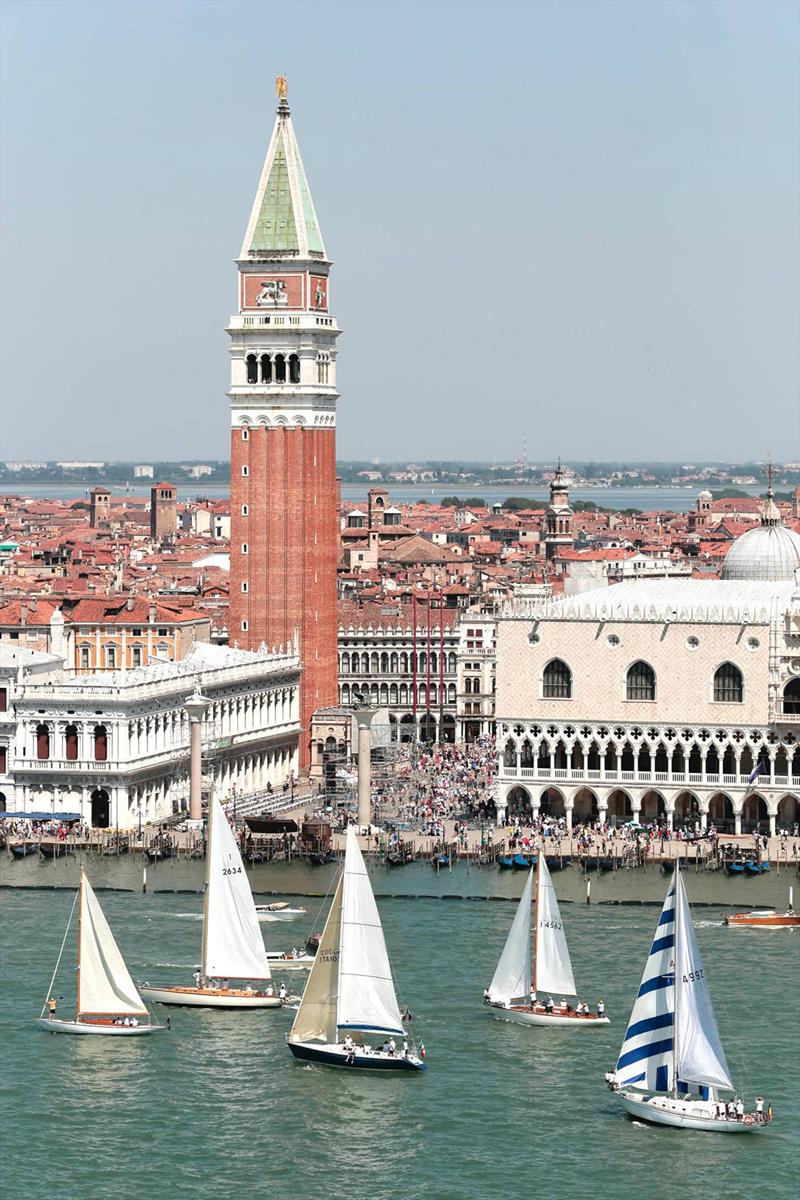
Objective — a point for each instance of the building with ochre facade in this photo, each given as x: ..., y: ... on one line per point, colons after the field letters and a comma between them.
x: 284, y: 523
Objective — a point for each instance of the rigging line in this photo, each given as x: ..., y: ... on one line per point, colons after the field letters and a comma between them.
x: 60, y: 953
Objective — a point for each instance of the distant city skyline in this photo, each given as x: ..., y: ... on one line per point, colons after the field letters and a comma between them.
x: 575, y: 224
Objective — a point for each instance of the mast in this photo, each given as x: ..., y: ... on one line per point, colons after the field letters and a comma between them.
x: 80, y: 920
x: 675, y: 988
x: 207, y: 887
x: 536, y: 925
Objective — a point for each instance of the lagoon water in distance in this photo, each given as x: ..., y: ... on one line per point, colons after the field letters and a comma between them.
x: 218, y: 1108
x: 648, y: 498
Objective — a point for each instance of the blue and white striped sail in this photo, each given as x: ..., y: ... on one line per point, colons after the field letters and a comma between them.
x: 698, y: 1051
x: 646, y: 1058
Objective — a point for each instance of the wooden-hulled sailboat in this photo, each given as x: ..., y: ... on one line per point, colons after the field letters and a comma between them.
x: 107, y: 1001
x: 671, y: 1066
x: 522, y: 977
x: 350, y: 992
x: 232, y: 944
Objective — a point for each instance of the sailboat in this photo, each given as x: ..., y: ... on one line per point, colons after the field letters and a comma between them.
x: 671, y: 1066
x: 232, y: 944
x: 521, y: 975
x: 107, y: 1001
x: 350, y: 991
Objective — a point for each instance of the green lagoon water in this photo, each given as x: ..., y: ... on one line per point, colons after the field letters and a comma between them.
x: 218, y: 1108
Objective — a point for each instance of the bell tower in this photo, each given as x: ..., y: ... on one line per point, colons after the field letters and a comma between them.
x: 284, y: 526
x: 559, y: 516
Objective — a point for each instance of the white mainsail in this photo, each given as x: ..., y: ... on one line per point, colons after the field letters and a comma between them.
x: 367, y: 997
x: 233, y: 945
x: 552, y: 968
x: 699, y: 1057
x: 646, y: 1056
x: 316, y: 1016
x: 512, y: 978
x: 104, y: 984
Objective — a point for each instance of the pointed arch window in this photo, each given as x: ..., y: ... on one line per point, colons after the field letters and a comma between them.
x: 791, y: 696
x: 640, y: 682
x: 557, y: 681
x: 728, y: 684
x: 252, y: 368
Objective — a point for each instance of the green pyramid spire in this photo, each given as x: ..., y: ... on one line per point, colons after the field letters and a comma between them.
x: 283, y: 217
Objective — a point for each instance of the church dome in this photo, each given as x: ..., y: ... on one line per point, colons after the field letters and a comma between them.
x: 771, y: 552
x: 704, y: 495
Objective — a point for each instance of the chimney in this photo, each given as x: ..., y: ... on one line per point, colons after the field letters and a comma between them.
x: 152, y: 613
x: 23, y: 612
x: 129, y: 603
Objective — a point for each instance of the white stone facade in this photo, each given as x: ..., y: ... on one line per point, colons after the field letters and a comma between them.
x: 114, y: 747
x: 475, y: 676
x: 376, y: 662
x: 653, y: 698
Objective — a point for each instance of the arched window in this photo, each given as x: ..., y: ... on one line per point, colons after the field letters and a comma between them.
x: 557, y: 681
x: 728, y: 684
x: 280, y: 369
x: 791, y: 696
x: 42, y: 741
x: 510, y: 754
x: 71, y: 742
x: 266, y: 368
x: 100, y: 743
x: 641, y: 682
x: 294, y: 369
x: 252, y: 368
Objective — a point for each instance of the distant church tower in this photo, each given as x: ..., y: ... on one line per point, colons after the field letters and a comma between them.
x: 559, y: 516
x: 700, y: 517
x: 284, y: 523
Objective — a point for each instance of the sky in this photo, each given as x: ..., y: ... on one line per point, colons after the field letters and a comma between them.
x: 575, y: 223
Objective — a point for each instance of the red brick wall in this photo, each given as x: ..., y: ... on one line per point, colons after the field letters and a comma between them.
x: 292, y: 534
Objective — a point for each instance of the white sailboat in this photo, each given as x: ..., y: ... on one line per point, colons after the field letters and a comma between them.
x: 522, y: 976
x: 671, y: 1066
x: 107, y: 1001
x: 232, y: 944
x: 350, y: 992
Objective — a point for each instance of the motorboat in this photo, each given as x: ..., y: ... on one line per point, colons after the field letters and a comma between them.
x: 766, y: 918
x: 280, y: 910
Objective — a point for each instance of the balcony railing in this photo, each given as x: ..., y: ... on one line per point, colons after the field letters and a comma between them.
x: 579, y: 775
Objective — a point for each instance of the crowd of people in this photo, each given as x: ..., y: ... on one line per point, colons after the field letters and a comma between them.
x: 438, y: 783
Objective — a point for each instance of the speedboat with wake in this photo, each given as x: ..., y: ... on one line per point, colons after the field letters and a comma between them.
x: 671, y: 1067
x: 766, y: 918
x: 350, y: 996
x: 107, y: 1001
x: 279, y: 910
x: 524, y: 972
x: 232, y: 947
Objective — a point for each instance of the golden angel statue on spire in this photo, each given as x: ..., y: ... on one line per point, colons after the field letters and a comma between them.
x: 280, y: 87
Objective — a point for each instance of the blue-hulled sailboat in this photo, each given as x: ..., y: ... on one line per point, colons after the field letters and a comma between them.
x: 671, y: 1067
x: 350, y: 996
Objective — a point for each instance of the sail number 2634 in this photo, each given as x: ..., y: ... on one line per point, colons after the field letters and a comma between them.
x: 231, y: 870
x: 694, y: 976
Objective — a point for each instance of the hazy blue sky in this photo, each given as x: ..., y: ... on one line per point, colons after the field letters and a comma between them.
x: 573, y: 221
